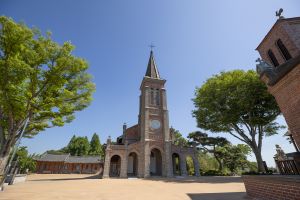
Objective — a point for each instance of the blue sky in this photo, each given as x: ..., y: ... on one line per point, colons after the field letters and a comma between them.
x: 194, y: 40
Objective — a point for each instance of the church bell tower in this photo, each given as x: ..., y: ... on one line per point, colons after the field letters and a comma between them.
x: 154, y: 120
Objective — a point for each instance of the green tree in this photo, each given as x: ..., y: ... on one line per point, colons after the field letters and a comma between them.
x: 95, y: 146
x: 40, y: 82
x: 177, y: 137
x: 25, y: 161
x: 79, y: 146
x: 238, y: 103
x: 207, y: 161
x: 210, y: 144
x: 235, y: 156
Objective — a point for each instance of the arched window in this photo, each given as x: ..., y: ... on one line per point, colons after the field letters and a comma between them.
x: 152, y: 96
x: 284, y: 52
x: 157, y: 97
x: 273, y: 58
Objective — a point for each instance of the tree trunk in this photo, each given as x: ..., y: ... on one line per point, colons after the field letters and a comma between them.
x: 259, y: 160
x: 3, y: 163
x: 220, y: 164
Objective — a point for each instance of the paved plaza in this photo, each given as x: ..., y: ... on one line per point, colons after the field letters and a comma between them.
x: 85, y: 187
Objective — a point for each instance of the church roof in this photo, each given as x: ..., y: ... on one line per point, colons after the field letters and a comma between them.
x: 279, y: 21
x: 151, y: 68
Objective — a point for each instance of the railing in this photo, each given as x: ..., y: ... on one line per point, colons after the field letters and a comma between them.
x: 288, y: 167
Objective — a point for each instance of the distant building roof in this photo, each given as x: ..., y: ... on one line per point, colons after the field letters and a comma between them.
x: 69, y: 159
x: 84, y: 159
x: 53, y: 157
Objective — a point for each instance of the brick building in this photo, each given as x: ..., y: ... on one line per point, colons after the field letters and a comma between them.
x: 146, y: 149
x: 59, y: 164
x: 280, y: 49
x: 280, y: 70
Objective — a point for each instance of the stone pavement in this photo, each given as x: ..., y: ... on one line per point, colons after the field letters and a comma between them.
x: 85, y: 187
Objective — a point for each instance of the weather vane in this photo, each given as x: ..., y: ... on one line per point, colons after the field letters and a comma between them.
x: 151, y: 46
x: 278, y: 13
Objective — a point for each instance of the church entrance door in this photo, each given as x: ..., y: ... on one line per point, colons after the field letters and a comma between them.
x: 115, y: 166
x: 132, y: 169
x: 155, y: 163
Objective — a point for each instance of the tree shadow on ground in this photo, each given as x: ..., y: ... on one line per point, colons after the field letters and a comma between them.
x: 220, y: 196
x: 94, y: 176
x: 201, y: 179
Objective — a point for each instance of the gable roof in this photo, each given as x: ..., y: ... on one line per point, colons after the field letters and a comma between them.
x: 69, y: 159
x: 53, y: 157
x: 279, y: 21
x: 84, y: 159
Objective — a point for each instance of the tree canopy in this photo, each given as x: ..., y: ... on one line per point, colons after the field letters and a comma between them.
x: 178, y: 139
x: 41, y: 82
x: 95, y: 146
x: 238, y: 103
x: 78, y: 146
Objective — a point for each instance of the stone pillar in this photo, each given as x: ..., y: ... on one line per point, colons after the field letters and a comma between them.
x: 124, y: 162
x: 168, y: 160
x: 107, y: 159
x: 146, y: 159
x: 196, y: 161
x: 183, y: 165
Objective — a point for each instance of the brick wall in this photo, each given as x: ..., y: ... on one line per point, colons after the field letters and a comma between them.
x: 272, y: 187
x: 287, y: 95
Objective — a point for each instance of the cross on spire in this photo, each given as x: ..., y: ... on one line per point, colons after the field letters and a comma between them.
x: 151, y: 46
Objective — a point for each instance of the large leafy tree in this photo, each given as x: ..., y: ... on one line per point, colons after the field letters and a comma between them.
x: 238, y: 103
x: 41, y: 82
x: 95, y: 146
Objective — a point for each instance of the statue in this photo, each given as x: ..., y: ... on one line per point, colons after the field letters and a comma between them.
x: 280, y: 153
x: 264, y: 67
x: 278, y: 13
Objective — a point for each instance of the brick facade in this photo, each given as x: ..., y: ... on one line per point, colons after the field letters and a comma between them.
x: 284, y: 81
x: 271, y: 187
x: 66, y: 164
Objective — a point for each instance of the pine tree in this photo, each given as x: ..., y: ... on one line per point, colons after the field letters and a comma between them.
x: 95, y: 146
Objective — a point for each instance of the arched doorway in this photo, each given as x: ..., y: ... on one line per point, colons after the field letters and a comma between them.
x: 155, y: 163
x: 132, y: 168
x: 176, y: 164
x: 190, y: 168
x: 115, y: 166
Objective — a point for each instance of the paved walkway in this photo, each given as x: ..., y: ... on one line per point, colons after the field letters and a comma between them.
x: 85, y: 187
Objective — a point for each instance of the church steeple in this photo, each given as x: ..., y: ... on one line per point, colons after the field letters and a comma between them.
x: 152, y: 71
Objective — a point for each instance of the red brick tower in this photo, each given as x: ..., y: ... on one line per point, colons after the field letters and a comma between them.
x: 280, y: 69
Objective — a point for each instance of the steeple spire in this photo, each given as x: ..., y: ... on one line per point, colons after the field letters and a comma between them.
x: 151, y: 68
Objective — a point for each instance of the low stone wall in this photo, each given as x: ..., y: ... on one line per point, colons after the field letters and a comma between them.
x: 272, y: 187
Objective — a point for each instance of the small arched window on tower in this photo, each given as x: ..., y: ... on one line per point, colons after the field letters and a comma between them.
x: 152, y: 96
x: 157, y: 97
x: 273, y: 58
x: 283, y: 50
